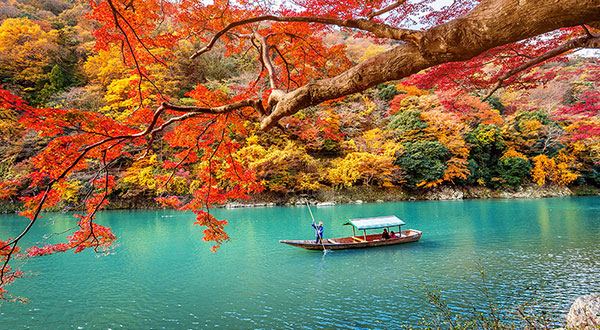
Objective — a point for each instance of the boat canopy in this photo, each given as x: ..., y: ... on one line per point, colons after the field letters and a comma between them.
x: 376, y: 222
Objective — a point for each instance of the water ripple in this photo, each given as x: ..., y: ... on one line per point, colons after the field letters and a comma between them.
x: 162, y: 276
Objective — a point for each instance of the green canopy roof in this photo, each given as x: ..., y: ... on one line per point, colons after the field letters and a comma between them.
x: 376, y: 222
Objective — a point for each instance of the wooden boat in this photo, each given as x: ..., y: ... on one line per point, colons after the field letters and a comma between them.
x: 364, y: 240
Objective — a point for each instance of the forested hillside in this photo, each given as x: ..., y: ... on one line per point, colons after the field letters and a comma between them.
x: 415, y: 133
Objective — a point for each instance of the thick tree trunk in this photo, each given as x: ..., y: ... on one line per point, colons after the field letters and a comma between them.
x: 491, y: 24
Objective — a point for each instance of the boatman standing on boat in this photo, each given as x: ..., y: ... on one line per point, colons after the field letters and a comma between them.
x: 318, y: 231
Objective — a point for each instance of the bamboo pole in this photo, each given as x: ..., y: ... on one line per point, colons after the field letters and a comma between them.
x: 313, y: 219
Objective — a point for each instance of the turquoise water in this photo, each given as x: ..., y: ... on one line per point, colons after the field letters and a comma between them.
x: 161, y: 275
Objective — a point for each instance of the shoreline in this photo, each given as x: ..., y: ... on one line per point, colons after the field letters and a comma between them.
x: 370, y: 194
x: 355, y: 195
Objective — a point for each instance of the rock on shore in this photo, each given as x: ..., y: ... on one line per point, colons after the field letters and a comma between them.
x: 478, y: 192
x: 585, y: 313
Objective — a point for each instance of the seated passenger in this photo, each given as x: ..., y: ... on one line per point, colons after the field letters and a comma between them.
x: 385, y: 234
x: 392, y: 234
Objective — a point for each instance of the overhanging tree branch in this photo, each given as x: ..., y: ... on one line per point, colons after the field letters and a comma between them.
x: 151, y: 130
x: 378, y: 29
x: 386, y: 9
x: 257, y: 105
x: 491, y: 24
x: 588, y: 41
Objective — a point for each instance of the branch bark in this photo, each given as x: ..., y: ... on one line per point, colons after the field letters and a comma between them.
x: 264, y: 53
x: 257, y: 105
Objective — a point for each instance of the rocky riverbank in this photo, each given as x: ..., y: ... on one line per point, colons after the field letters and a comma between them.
x: 369, y: 194
x: 355, y: 195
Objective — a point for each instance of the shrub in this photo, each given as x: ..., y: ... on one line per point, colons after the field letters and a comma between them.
x: 513, y: 170
x: 387, y: 92
x: 407, y: 121
x: 423, y: 162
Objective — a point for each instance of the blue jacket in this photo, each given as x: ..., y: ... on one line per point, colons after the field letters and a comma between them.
x: 318, y: 230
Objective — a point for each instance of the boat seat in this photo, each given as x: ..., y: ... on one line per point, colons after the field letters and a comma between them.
x: 358, y: 239
x: 332, y: 241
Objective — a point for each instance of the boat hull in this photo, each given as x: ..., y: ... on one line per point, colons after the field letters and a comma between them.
x: 356, y: 242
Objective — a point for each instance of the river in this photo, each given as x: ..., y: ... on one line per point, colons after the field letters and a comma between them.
x: 161, y: 275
